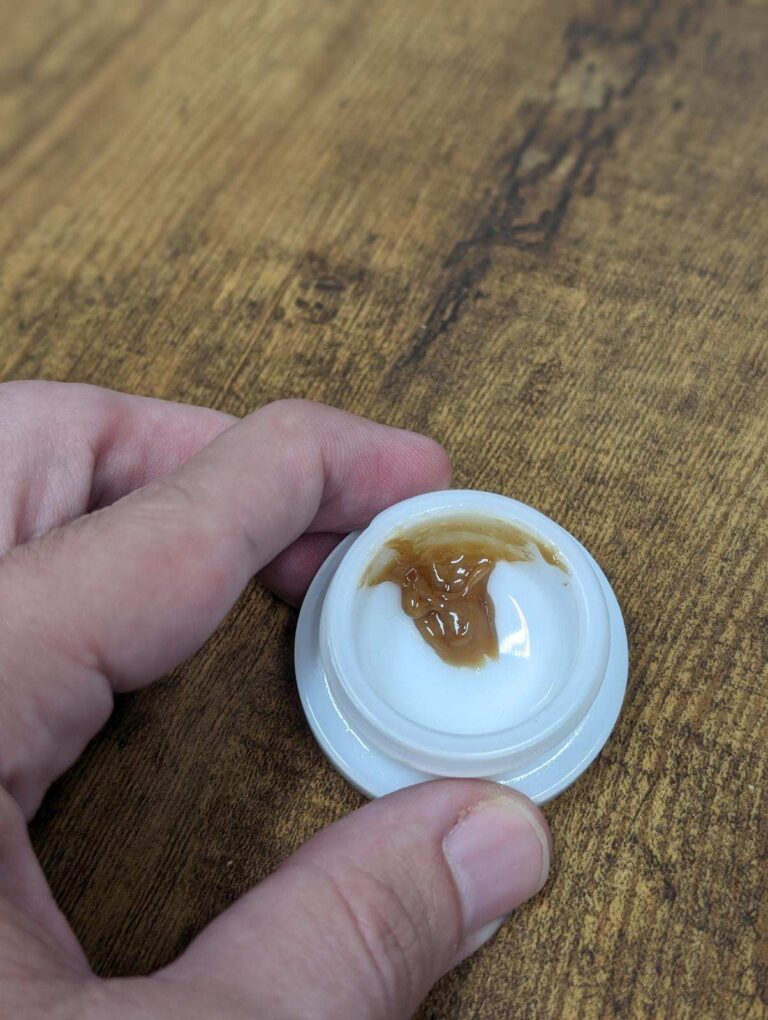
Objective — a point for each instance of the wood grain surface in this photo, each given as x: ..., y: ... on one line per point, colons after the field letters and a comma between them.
x: 534, y: 229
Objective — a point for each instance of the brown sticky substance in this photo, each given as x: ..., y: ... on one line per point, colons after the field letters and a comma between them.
x: 442, y: 569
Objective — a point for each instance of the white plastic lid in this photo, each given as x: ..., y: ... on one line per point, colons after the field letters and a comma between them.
x: 389, y: 712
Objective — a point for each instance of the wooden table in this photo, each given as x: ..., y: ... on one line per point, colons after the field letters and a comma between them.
x: 535, y: 230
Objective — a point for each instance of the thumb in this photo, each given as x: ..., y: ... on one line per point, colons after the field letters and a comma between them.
x: 373, y: 910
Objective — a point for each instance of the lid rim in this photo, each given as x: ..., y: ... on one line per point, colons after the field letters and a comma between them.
x: 421, y: 746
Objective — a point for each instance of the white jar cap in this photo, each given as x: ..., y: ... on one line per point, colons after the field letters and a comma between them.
x: 389, y: 712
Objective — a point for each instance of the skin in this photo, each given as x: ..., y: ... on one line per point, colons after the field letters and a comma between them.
x: 128, y: 528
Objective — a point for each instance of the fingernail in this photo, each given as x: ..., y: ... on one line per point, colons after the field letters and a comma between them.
x: 499, y: 856
x: 477, y: 939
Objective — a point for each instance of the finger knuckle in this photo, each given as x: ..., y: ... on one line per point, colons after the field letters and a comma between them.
x: 388, y: 928
x: 295, y: 427
x: 288, y: 413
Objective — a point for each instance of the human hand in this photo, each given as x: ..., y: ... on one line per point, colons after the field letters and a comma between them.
x: 128, y: 527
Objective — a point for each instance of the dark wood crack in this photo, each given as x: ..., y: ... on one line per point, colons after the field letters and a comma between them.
x: 560, y: 153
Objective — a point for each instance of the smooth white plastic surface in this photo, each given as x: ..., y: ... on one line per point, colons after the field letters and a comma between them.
x: 388, y: 712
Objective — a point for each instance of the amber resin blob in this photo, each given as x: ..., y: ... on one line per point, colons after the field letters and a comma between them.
x: 442, y: 568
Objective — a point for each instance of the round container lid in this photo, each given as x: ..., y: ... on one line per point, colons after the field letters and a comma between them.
x: 389, y: 712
